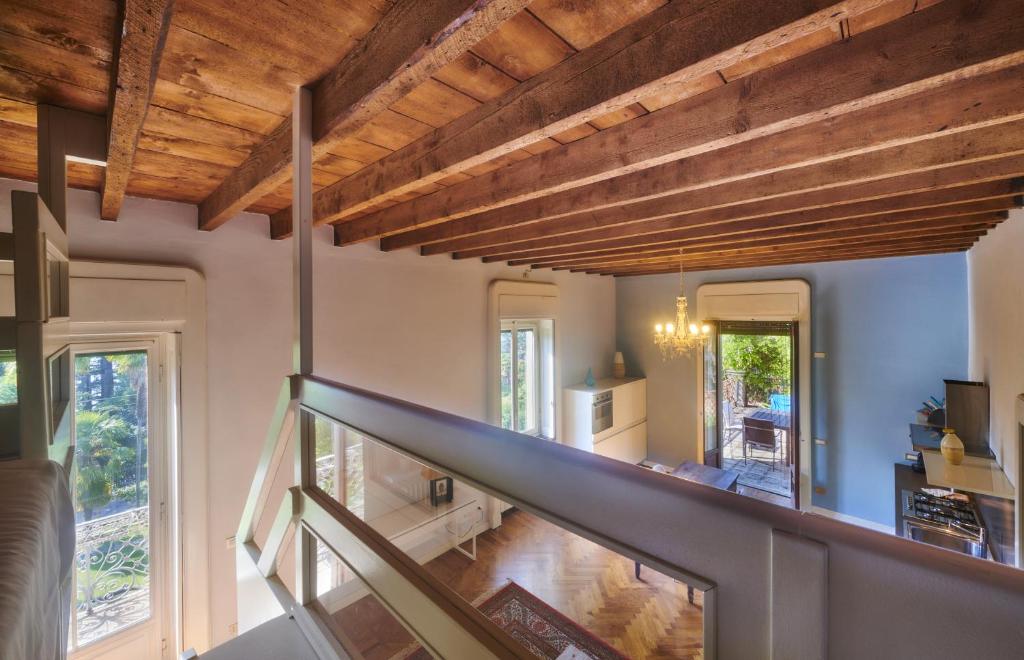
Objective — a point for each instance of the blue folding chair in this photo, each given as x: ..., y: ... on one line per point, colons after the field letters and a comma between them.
x: 780, y: 402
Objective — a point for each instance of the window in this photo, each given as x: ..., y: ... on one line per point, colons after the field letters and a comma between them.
x: 526, y: 351
x: 8, y: 379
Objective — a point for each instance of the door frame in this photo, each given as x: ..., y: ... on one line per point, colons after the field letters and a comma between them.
x: 766, y: 300
x: 110, y: 298
x: 160, y: 438
x: 714, y: 346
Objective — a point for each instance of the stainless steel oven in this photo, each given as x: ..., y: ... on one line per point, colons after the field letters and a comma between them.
x: 602, y: 419
x: 948, y: 523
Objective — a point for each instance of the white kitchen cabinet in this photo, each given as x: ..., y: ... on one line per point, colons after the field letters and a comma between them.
x: 629, y: 404
x: 629, y: 414
x: 629, y: 445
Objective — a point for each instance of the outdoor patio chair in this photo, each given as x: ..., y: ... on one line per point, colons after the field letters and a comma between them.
x: 759, y: 434
x: 730, y: 427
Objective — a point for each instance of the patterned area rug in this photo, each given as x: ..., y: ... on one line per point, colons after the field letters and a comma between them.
x: 542, y: 630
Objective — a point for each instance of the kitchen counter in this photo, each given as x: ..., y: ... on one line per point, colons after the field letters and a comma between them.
x: 975, y: 475
x: 603, y: 384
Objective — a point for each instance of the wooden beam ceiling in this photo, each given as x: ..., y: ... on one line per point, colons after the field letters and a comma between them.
x: 676, y: 45
x: 824, y: 236
x: 752, y: 216
x: 747, y: 205
x: 600, y: 136
x: 916, y: 53
x: 808, y: 238
x: 854, y: 245
x: 753, y: 258
x: 144, y: 25
x: 414, y: 40
x: 721, y: 234
x: 885, y: 223
x: 822, y: 256
x: 874, y: 143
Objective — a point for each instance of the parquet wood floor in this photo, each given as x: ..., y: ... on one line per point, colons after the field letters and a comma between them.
x: 646, y: 618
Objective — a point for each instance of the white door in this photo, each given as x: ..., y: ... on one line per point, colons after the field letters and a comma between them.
x: 120, y: 493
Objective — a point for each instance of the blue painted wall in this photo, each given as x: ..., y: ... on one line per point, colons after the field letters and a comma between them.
x: 891, y: 330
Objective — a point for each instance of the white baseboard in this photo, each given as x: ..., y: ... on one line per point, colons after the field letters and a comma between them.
x: 853, y: 520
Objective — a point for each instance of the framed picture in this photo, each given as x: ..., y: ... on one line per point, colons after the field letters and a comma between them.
x: 441, y: 490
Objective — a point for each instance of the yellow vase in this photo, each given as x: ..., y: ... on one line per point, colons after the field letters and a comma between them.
x: 952, y: 447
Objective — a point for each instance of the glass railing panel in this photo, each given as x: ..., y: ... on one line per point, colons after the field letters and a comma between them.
x: 395, y: 495
x: 356, y: 616
x: 549, y: 588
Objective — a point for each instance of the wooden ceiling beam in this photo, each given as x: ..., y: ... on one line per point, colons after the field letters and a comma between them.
x: 945, y: 42
x: 776, y: 246
x: 840, y: 254
x: 793, y: 161
x: 979, y: 198
x: 750, y: 217
x: 785, y: 236
x: 415, y: 39
x: 744, y: 211
x: 773, y: 247
x: 859, y: 201
x: 969, y: 211
x: 789, y: 262
x: 144, y: 25
x: 678, y: 43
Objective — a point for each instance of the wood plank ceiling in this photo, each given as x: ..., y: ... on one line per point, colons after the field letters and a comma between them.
x: 618, y: 137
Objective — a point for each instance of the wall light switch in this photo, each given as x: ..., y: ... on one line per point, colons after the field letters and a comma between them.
x: 819, y: 356
x: 820, y: 441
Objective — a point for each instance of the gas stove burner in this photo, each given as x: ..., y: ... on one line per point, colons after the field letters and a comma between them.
x: 943, y: 510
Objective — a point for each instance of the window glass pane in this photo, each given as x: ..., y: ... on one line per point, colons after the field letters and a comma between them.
x: 111, y: 493
x: 526, y: 379
x: 8, y: 378
x: 505, y: 349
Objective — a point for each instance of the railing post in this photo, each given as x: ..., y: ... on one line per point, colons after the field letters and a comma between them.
x: 302, y: 251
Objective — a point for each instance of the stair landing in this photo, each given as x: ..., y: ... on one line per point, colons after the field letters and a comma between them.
x: 274, y: 640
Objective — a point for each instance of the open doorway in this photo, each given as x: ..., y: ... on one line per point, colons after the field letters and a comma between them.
x: 754, y: 373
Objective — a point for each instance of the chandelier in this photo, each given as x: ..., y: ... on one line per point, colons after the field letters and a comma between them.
x: 682, y: 336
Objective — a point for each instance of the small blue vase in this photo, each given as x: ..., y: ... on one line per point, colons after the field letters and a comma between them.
x: 590, y: 381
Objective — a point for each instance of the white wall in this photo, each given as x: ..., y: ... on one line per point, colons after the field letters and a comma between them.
x: 401, y: 324
x: 995, y: 268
